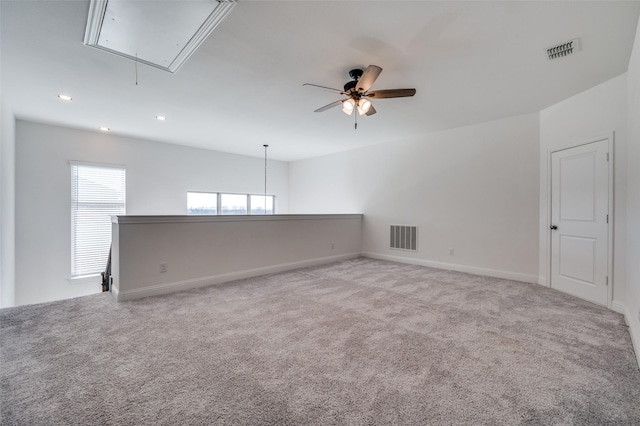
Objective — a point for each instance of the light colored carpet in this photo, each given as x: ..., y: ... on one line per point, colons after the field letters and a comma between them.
x: 361, y: 342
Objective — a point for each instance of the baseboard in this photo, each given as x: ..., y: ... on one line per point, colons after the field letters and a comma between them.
x: 543, y: 281
x: 618, y: 307
x: 165, y: 288
x: 634, y: 332
x: 115, y: 291
x: 496, y: 273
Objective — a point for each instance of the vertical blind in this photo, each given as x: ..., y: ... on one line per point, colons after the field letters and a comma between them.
x: 97, y: 193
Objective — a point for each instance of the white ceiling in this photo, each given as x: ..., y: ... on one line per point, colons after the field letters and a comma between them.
x: 469, y: 61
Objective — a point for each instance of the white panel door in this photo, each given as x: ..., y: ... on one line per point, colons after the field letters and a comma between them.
x: 579, y: 216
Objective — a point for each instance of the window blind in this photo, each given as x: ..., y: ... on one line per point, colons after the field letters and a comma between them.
x: 97, y: 193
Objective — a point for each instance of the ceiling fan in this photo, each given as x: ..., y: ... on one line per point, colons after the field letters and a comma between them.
x: 358, y: 95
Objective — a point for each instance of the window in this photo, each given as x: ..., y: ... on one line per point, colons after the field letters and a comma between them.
x: 202, y: 203
x: 213, y: 203
x: 233, y: 204
x: 261, y: 204
x: 97, y: 193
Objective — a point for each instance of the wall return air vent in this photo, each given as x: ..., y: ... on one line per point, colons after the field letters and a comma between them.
x: 162, y: 34
x: 563, y: 49
x: 403, y: 237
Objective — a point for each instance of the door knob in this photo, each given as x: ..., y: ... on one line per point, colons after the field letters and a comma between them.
x: 553, y: 227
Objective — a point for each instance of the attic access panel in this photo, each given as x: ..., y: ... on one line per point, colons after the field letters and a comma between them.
x: 162, y: 34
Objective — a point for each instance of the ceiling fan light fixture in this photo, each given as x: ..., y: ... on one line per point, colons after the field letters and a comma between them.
x: 363, y: 106
x: 348, y: 106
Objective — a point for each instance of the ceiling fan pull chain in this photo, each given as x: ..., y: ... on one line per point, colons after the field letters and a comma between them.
x: 356, y: 123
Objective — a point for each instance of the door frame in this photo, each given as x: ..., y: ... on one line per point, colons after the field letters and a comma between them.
x: 610, y: 137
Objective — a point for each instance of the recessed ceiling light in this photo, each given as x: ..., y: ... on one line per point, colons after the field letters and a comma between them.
x: 104, y: 129
x: 65, y: 97
x: 161, y: 117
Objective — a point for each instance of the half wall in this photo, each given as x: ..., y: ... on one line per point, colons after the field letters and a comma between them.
x: 155, y: 255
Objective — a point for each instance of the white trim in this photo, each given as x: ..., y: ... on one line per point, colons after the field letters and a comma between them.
x: 612, y: 217
x: 618, y: 307
x: 158, y: 289
x: 633, y: 332
x: 97, y: 9
x: 86, y: 279
x: 496, y: 273
x: 115, y: 291
x: 93, y: 164
x: 218, y: 15
x: 543, y: 281
x: 124, y: 220
x: 610, y: 138
x: 547, y: 257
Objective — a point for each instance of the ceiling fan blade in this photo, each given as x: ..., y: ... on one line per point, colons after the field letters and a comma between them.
x: 325, y: 87
x: 391, y: 93
x: 329, y: 106
x: 368, y: 78
x: 371, y: 111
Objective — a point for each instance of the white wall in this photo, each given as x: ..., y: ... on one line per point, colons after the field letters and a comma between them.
x: 7, y: 197
x: 200, y: 251
x: 158, y: 178
x: 473, y: 189
x: 632, y: 297
x: 7, y: 207
x: 594, y: 112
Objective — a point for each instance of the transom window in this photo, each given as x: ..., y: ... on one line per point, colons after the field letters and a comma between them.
x: 202, y: 203
x: 215, y: 203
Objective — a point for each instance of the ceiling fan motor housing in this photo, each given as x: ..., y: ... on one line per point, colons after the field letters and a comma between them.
x: 350, y: 86
x: 355, y: 74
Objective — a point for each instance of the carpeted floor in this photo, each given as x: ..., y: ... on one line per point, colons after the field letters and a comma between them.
x: 361, y: 342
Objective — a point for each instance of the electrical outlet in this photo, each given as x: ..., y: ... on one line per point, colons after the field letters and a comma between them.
x: 451, y: 252
x: 163, y: 267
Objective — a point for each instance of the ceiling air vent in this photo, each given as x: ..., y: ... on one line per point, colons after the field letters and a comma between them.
x: 564, y: 49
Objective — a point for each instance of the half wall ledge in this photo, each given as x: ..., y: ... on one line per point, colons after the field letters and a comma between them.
x: 229, y: 218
